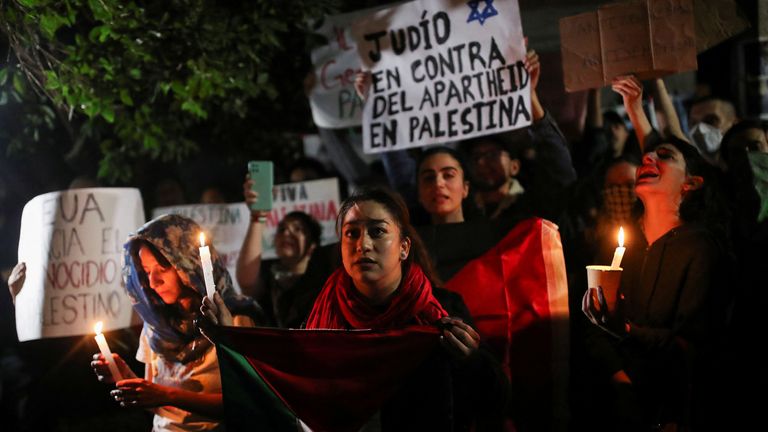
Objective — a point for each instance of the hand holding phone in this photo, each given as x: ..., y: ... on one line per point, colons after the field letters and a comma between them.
x: 262, y: 180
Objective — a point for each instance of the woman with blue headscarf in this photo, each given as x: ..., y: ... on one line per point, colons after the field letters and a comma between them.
x: 164, y: 279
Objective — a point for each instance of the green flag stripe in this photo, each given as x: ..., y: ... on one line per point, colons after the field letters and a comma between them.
x: 246, y: 392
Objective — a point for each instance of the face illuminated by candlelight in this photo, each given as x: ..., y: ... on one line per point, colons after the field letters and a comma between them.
x: 162, y: 277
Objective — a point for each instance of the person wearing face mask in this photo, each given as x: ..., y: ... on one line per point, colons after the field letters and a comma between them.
x: 709, y: 119
x: 164, y: 279
x: 659, y: 353
x: 285, y: 287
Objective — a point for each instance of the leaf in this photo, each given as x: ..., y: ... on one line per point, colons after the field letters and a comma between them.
x: 125, y: 97
x: 135, y: 73
x: 193, y: 107
x: 100, y: 10
x: 18, y: 84
x: 100, y: 33
x: 150, y: 143
x: 50, y: 23
x: 109, y: 114
x: 51, y: 80
x: 3, y: 76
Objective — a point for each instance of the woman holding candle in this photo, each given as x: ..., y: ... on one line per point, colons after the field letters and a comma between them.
x: 661, y: 349
x: 164, y: 278
x: 386, y: 282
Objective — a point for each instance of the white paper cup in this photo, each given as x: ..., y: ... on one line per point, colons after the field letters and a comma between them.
x: 609, y: 279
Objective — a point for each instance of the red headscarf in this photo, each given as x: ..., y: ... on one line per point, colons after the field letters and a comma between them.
x: 340, y: 306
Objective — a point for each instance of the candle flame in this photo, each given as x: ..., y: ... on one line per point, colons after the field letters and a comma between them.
x: 202, y: 239
x: 97, y: 328
x: 621, y: 236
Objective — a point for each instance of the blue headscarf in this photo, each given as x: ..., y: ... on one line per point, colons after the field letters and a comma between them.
x: 171, y: 331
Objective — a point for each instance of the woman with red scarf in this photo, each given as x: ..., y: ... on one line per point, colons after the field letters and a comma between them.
x: 386, y: 281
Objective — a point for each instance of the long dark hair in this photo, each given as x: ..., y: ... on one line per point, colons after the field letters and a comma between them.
x: 399, y: 211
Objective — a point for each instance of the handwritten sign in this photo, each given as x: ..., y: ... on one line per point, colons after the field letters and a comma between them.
x: 580, y: 48
x: 228, y: 223
x: 716, y: 21
x: 442, y: 70
x: 332, y: 99
x: 72, y: 242
x: 648, y: 38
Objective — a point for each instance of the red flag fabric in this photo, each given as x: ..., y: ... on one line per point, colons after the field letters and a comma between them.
x: 332, y: 380
x: 517, y: 293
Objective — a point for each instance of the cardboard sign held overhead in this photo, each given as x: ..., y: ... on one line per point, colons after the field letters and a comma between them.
x: 716, y: 21
x: 648, y: 38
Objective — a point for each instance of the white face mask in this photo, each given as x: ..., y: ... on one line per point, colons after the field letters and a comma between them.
x: 706, y: 138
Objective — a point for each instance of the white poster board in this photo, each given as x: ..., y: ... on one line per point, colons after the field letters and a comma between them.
x: 72, y: 242
x: 442, y: 70
x: 333, y: 99
x: 228, y: 223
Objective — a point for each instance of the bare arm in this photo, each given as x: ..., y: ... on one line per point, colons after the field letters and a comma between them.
x: 140, y: 393
x: 631, y: 91
x: 249, y: 261
x: 665, y: 103
x: 16, y: 280
x: 533, y: 67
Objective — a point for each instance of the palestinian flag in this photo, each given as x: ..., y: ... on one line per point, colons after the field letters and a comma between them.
x: 517, y: 293
x: 329, y: 380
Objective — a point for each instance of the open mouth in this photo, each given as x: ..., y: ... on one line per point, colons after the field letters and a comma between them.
x: 647, y: 174
x: 365, y: 260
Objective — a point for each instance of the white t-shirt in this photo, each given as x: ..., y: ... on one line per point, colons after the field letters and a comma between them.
x: 200, y: 376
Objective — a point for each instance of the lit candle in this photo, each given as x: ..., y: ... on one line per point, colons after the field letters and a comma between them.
x: 205, y: 258
x: 619, y: 254
x: 104, y: 348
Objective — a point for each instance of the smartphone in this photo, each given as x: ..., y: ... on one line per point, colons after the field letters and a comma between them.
x: 261, y: 174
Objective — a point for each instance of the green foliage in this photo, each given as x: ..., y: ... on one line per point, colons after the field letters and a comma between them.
x: 160, y: 79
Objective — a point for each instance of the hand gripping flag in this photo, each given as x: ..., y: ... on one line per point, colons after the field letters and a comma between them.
x: 331, y: 380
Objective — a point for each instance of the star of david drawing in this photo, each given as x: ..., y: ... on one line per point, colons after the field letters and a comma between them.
x: 476, y: 15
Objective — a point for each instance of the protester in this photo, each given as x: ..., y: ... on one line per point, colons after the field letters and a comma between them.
x: 495, y: 165
x: 386, y: 282
x: 660, y: 348
x: 286, y: 287
x: 442, y: 184
x: 164, y: 279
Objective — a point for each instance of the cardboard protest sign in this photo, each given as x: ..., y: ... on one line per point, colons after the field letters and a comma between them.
x: 227, y: 224
x: 647, y: 38
x: 442, y: 70
x: 716, y: 21
x: 72, y: 242
x: 580, y: 47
